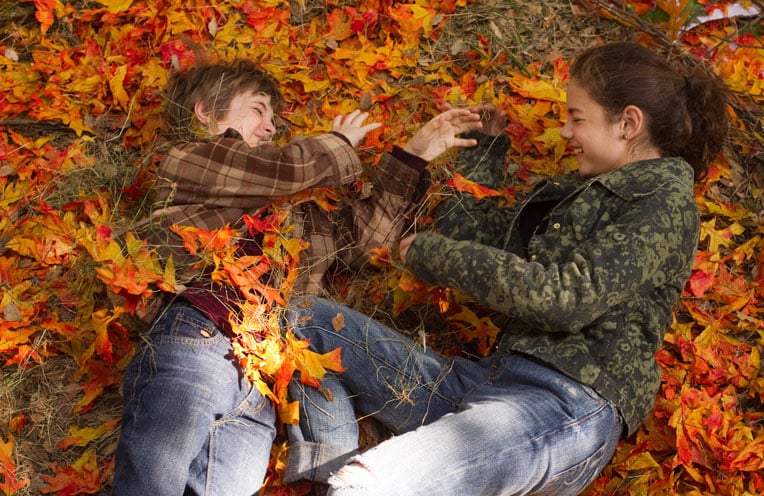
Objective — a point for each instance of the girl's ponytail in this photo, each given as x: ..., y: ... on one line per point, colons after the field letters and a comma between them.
x: 707, y: 109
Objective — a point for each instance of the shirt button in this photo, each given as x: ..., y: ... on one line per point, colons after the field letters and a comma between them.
x: 534, y: 257
x: 556, y: 225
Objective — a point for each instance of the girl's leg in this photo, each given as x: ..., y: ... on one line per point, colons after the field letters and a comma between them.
x: 386, y: 375
x: 531, y: 431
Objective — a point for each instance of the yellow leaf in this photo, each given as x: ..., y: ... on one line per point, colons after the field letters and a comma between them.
x: 537, y: 89
x: 719, y: 237
x: 313, y: 366
x: 289, y: 413
x: 552, y: 140
x: 116, y: 6
x: 82, y: 436
x: 169, y: 282
x: 116, y: 83
x: 643, y: 461
x: 85, y: 85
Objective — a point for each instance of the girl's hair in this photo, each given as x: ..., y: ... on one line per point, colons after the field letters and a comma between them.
x: 686, y: 113
x: 214, y: 86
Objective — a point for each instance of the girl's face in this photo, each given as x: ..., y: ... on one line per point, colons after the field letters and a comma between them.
x: 597, y: 140
x: 249, y: 114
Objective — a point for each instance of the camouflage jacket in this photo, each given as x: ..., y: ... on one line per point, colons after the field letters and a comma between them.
x: 584, y: 273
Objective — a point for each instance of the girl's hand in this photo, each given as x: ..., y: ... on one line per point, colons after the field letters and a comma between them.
x: 403, y: 246
x: 351, y: 126
x: 440, y: 134
x: 494, y: 120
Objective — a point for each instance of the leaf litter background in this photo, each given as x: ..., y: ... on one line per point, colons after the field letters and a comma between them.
x: 79, y: 141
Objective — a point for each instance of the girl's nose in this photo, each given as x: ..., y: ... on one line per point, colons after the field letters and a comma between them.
x: 566, y: 133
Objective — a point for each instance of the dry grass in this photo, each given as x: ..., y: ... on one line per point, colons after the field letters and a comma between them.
x: 46, y: 394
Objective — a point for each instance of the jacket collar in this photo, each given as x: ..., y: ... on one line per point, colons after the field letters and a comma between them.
x: 644, y: 177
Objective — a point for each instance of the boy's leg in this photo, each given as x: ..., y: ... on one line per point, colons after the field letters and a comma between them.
x: 235, y: 458
x: 191, y: 420
x: 386, y: 375
x: 327, y: 434
x: 531, y: 431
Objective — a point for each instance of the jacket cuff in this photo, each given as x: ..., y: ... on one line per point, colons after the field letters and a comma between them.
x: 498, y: 143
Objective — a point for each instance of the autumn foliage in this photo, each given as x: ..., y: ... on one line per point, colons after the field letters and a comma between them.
x: 80, y: 138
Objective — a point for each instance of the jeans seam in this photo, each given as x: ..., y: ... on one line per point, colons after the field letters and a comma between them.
x: 403, y: 373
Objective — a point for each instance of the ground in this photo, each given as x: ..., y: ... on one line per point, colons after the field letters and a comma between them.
x: 78, y: 135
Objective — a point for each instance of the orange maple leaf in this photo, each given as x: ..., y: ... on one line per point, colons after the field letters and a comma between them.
x: 44, y: 14
x: 460, y: 183
x: 197, y: 240
x: 246, y: 274
x: 82, y: 477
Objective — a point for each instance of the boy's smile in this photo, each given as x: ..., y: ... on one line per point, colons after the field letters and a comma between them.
x: 251, y: 115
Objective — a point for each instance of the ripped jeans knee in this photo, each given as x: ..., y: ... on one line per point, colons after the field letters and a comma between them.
x: 354, y: 478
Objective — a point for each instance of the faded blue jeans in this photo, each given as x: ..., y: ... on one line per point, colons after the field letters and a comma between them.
x: 192, y: 423
x: 504, y: 425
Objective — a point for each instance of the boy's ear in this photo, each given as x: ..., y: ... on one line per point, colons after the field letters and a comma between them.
x: 632, y: 121
x: 201, y: 114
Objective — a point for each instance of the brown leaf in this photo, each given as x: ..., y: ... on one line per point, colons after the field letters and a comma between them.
x: 338, y: 322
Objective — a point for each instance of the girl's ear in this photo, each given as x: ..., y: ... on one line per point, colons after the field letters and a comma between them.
x: 201, y: 114
x: 632, y: 121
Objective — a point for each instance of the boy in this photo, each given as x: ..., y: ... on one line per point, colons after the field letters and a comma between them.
x: 192, y: 423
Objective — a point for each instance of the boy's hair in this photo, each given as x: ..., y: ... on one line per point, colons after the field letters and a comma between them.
x: 686, y: 111
x: 214, y: 86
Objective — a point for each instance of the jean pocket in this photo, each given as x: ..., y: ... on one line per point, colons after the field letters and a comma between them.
x: 187, y: 326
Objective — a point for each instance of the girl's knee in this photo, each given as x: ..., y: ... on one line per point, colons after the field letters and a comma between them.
x: 355, y: 478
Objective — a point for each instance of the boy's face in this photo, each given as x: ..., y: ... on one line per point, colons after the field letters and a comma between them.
x: 249, y: 114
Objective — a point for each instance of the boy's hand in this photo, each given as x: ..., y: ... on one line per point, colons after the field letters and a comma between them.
x: 351, y: 126
x: 441, y: 133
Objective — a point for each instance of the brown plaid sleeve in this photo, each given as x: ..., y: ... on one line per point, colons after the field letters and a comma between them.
x: 367, y: 220
x: 211, y: 183
x: 378, y: 217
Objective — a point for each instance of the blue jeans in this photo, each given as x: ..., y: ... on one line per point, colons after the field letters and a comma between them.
x: 503, y: 425
x: 192, y: 423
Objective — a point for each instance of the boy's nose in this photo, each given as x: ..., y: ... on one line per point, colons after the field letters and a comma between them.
x: 270, y: 128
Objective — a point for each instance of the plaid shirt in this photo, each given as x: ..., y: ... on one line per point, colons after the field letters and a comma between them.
x: 212, y: 183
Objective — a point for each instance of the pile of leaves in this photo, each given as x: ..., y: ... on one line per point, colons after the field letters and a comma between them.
x: 80, y: 139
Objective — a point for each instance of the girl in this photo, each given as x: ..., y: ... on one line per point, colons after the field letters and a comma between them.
x: 582, y: 275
